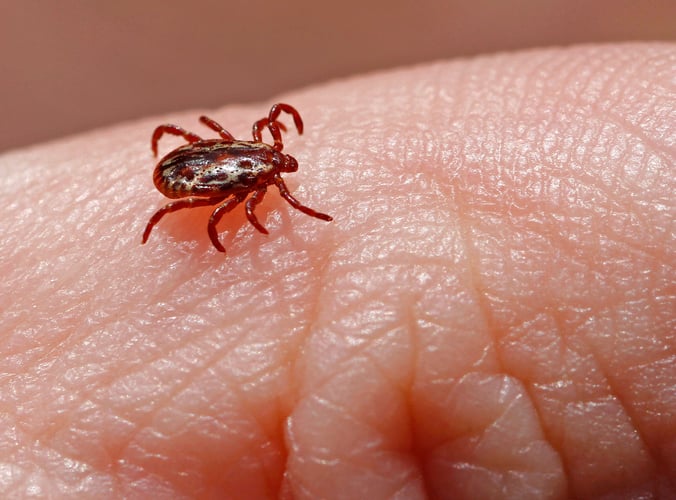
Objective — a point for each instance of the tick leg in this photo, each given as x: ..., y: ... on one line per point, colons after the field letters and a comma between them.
x: 221, y: 210
x: 173, y: 130
x: 276, y: 109
x: 274, y: 126
x: 213, y: 125
x: 177, y: 205
x: 262, y: 123
x: 251, y: 203
x: 274, y: 130
x: 284, y: 191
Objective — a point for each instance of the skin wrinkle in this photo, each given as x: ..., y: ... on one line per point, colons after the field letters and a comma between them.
x: 476, y: 283
x: 326, y: 403
x: 37, y: 444
x: 556, y: 444
x: 415, y: 451
x: 354, y: 354
x: 71, y: 335
x: 161, y: 405
x: 476, y: 280
x: 634, y: 131
x: 633, y: 246
x: 609, y: 195
x: 476, y: 274
x: 234, y: 390
x: 630, y: 409
x: 144, y: 420
x: 530, y: 389
x: 585, y: 397
x: 615, y: 394
x: 476, y: 438
x: 294, y: 357
x: 638, y: 68
x: 578, y: 90
x: 361, y: 351
x: 290, y: 448
x: 378, y: 365
x: 142, y: 365
x: 627, y: 408
x: 532, y: 88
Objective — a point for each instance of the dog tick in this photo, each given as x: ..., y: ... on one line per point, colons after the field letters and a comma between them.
x: 225, y: 171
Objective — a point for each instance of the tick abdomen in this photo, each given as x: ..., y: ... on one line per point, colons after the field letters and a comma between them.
x: 215, y: 168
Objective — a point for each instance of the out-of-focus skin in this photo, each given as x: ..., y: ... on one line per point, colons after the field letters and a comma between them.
x: 490, y: 314
x: 66, y: 67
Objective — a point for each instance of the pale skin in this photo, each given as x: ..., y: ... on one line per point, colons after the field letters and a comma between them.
x: 490, y: 314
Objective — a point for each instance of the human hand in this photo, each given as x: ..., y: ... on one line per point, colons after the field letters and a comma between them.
x: 491, y: 313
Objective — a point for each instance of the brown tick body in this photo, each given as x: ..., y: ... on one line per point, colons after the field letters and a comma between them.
x: 225, y: 171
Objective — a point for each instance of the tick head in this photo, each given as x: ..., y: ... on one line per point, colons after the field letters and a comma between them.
x: 290, y: 164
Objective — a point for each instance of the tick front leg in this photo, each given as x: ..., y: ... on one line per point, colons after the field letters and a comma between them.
x: 176, y: 205
x: 274, y: 130
x: 221, y: 210
x: 276, y: 109
x: 173, y: 130
x: 284, y: 191
x: 213, y: 125
x: 251, y: 203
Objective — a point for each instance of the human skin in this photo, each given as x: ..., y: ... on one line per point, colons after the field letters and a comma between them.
x: 490, y: 314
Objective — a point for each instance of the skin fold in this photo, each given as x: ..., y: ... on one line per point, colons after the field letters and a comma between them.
x: 491, y: 314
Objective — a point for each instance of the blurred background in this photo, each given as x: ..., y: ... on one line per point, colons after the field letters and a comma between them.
x: 71, y: 65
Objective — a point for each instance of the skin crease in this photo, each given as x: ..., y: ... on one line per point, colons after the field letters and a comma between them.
x: 491, y: 313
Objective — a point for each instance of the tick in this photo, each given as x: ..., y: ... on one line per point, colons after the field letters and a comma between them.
x: 225, y: 171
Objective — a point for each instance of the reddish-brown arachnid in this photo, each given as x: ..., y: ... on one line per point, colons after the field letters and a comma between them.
x: 225, y: 171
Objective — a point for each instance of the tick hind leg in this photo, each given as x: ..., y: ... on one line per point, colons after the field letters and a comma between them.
x: 173, y: 130
x: 173, y: 207
x: 220, y: 211
x: 213, y: 125
x: 284, y: 191
x: 251, y: 203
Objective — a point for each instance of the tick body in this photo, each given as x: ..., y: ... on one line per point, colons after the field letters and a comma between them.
x: 225, y: 172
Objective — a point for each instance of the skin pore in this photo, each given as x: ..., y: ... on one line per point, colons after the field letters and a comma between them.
x: 490, y: 314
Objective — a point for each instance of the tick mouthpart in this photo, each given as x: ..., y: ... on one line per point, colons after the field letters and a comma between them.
x: 290, y: 164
